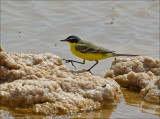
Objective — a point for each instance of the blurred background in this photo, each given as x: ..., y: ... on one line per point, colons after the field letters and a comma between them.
x: 37, y: 26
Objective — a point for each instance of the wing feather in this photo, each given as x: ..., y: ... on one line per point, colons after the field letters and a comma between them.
x: 87, y: 47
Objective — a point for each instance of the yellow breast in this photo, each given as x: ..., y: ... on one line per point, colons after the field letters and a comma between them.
x: 89, y: 56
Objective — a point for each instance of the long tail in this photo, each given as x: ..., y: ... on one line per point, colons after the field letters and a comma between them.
x: 125, y: 55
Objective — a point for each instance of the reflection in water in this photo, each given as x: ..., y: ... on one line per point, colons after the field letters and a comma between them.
x: 131, y: 106
x: 27, y: 113
x: 132, y: 98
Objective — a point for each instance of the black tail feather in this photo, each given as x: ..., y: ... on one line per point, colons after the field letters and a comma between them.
x: 126, y: 55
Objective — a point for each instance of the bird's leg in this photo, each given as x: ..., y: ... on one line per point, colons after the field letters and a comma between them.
x: 92, y: 67
x: 67, y: 61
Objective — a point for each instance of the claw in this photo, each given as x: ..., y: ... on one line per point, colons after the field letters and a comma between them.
x: 73, y: 65
x: 67, y: 61
x: 88, y: 70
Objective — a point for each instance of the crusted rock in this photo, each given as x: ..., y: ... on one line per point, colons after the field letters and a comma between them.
x: 142, y: 73
x: 45, y: 84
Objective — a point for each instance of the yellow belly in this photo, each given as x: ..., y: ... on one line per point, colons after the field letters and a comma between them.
x: 91, y: 56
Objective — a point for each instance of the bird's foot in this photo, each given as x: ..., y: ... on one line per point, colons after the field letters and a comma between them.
x: 67, y: 61
x: 71, y: 61
x: 88, y: 70
x: 79, y: 71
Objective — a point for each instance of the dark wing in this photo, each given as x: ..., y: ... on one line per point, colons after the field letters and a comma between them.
x: 87, y: 47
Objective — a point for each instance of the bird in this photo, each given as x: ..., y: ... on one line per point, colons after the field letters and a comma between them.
x: 89, y: 51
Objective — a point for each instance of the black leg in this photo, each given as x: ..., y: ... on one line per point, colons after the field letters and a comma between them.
x: 92, y: 66
x: 67, y: 61
x: 89, y: 70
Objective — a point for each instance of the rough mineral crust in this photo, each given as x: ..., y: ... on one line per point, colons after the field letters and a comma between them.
x: 45, y: 84
x: 142, y: 73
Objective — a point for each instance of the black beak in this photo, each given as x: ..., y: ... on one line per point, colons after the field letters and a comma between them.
x: 63, y: 40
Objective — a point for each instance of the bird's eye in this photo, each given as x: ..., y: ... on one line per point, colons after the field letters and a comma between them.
x: 72, y: 40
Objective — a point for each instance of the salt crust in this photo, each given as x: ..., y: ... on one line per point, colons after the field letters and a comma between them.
x: 42, y: 82
x: 141, y: 73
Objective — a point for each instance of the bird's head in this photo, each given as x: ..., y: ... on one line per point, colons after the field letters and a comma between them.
x: 72, y: 39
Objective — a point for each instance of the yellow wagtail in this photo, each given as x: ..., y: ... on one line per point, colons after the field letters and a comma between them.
x: 89, y: 51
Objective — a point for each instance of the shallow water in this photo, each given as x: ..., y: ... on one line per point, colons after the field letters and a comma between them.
x: 122, y: 26
x: 129, y: 107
